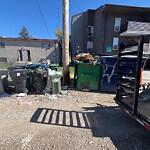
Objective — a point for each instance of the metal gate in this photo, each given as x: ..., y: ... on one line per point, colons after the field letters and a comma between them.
x: 128, y: 78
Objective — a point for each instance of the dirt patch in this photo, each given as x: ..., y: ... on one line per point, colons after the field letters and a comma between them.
x: 74, y: 120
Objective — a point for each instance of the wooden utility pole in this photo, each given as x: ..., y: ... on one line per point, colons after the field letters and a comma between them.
x: 65, y: 43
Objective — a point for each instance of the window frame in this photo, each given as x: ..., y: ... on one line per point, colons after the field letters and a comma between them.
x: 89, y: 46
x: 43, y: 45
x: 117, y: 24
x: 90, y: 30
x: 20, y: 54
x: 115, y: 43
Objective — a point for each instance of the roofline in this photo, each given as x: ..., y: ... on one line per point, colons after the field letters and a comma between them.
x: 128, y: 6
x: 77, y: 14
x: 89, y: 10
x: 29, y: 39
x: 103, y: 7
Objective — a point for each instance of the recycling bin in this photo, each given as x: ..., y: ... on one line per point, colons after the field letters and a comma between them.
x: 53, y: 66
x: 54, y: 81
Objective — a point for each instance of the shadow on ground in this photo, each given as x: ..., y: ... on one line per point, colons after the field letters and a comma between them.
x: 103, y: 121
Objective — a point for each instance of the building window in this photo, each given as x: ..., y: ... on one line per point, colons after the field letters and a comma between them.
x: 24, y: 55
x: 89, y: 46
x: 90, y: 31
x: 117, y: 24
x: 46, y: 45
x: 2, y: 44
x: 115, y: 43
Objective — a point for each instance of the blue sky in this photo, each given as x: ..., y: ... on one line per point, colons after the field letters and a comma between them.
x: 15, y: 14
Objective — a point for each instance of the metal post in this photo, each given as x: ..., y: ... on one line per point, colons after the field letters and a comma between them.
x: 65, y: 43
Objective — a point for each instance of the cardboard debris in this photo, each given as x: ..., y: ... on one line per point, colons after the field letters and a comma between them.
x: 83, y: 56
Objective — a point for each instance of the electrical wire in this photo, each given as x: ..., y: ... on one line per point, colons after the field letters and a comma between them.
x: 58, y: 15
x: 71, y: 8
x: 71, y: 3
x: 43, y: 17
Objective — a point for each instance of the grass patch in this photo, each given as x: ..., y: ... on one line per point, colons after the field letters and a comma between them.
x: 4, y: 66
x: 71, y: 69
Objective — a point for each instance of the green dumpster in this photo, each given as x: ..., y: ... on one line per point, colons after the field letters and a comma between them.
x: 87, y: 75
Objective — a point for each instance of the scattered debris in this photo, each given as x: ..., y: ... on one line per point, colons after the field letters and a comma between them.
x: 25, y: 103
x: 22, y: 94
x: 85, y: 90
x: 73, y: 94
x: 64, y: 88
x: 64, y: 92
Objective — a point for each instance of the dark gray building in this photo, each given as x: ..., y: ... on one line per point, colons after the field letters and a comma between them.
x: 99, y: 31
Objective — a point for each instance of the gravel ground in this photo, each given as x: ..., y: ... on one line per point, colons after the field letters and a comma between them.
x: 74, y: 120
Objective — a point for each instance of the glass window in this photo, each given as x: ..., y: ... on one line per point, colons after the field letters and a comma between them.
x: 90, y: 31
x: 117, y: 24
x: 115, y: 43
x: 108, y: 48
x: 89, y: 46
x: 46, y: 45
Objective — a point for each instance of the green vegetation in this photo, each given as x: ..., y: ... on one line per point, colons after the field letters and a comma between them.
x: 4, y: 66
x: 24, y: 33
x: 71, y: 69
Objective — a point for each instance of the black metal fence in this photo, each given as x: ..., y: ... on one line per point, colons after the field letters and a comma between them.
x: 129, y: 72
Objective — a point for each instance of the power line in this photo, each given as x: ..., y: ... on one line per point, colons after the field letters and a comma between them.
x: 58, y: 14
x: 71, y: 3
x: 71, y: 8
x: 43, y: 17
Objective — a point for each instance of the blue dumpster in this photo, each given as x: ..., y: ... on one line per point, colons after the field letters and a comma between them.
x: 109, y: 71
x: 109, y: 74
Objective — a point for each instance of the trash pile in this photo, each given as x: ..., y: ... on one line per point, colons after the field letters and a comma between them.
x: 32, y: 79
x: 83, y: 56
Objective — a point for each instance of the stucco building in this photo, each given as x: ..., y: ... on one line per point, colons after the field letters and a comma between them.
x: 35, y: 50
